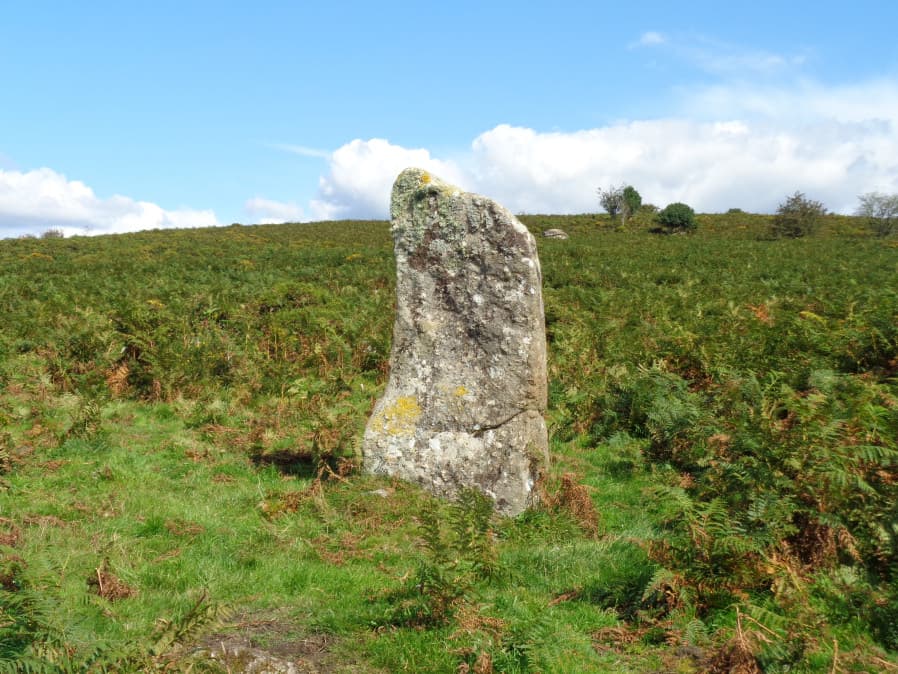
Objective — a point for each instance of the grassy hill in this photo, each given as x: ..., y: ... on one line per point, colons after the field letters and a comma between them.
x: 180, y: 413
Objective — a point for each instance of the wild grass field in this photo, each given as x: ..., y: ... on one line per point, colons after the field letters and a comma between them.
x: 180, y: 414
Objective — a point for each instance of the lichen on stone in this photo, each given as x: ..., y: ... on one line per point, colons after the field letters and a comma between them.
x: 400, y: 417
x: 469, y: 341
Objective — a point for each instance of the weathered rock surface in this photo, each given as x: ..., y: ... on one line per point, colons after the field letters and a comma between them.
x: 555, y: 234
x: 467, y: 390
x: 244, y: 659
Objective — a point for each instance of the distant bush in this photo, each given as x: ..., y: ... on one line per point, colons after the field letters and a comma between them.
x: 676, y: 217
x: 612, y: 200
x: 797, y: 216
x: 735, y: 211
x: 53, y: 234
x: 880, y: 211
x: 632, y: 200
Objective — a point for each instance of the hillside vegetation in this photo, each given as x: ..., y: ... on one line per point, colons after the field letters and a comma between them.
x: 180, y: 413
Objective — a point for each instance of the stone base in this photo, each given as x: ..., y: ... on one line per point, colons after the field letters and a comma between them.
x: 503, y: 462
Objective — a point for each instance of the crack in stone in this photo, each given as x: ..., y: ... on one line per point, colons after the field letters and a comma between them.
x: 481, y: 429
x: 469, y: 311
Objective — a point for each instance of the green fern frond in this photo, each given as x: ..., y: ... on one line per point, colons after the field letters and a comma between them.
x: 696, y: 632
x: 431, y: 532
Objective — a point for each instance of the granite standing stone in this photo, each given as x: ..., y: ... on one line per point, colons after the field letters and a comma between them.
x: 467, y: 389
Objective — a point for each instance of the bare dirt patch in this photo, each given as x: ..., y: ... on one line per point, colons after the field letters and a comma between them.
x: 109, y: 586
x: 10, y: 534
x: 273, y: 643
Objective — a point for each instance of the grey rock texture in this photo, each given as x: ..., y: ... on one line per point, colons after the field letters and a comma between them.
x: 242, y: 659
x: 467, y: 389
x: 555, y: 234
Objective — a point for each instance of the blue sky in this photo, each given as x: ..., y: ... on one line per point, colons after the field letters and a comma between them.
x: 123, y: 116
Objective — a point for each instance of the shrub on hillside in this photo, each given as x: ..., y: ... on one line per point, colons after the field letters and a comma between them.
x: 676, y: 217
x: 632, y: 200
x: 797, y: 216
x: 612, y: 200
x: 880, y: 211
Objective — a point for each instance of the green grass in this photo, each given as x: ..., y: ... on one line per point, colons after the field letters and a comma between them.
x: 171, y: 515
x: 175, y: 408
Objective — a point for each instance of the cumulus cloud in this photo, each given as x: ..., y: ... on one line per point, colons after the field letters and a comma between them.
x: 35, y: 201
x: 267, y: 211
x: 802, y: 101
x: 361, y: 174
x: 741, y: 150
x: 710, y: 165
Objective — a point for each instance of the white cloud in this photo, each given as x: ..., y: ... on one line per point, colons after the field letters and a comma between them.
x: 718, y: 57
x: 361, y: 174
x: 267, y: 211
x: 649, y: 39
x: 302, y: 150
x: 732, y: 147
x: 867, y: 102
x: 729, y: 60
x: 727, y: 145
x: 34, y: 201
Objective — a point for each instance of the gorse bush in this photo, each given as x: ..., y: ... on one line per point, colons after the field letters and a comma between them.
x: 676, y: 217
x: 797, y: 216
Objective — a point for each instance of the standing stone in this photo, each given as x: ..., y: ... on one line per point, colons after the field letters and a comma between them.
x: 467, y: 390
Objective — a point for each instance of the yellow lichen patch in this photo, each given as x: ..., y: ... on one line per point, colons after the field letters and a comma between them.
x: 460, y: 391
x: 399, y: 417
x: 425, y: 178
